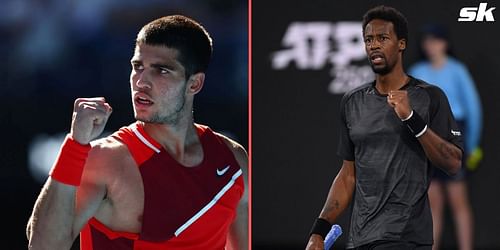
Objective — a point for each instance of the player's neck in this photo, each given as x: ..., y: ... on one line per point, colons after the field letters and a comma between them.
x: 175, y: 138
x: 393, y: 80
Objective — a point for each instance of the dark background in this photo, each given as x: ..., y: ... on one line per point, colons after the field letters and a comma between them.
x: 56, y: 50
x: 295, y: 118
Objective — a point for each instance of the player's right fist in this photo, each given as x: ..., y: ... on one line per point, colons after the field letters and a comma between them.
x: 316, y: 242
x: 89, y: 118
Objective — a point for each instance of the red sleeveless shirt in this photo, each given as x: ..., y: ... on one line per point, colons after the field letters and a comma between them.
x: 184, y: 207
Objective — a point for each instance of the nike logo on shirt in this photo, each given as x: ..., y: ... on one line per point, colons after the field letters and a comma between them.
x: 223, y: 171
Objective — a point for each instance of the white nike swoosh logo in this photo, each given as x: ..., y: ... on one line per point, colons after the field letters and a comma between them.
x: 456, y: 133
x: 223, y: 171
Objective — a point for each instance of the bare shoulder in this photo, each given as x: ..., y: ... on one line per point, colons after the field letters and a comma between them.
x: 107, y: 156
x: 107, y: 148
x: 239, y: 151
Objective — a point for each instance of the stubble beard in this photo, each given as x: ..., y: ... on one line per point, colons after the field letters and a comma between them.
x: 172, y: 117
x: 384, y: 70
x: 381, y: 71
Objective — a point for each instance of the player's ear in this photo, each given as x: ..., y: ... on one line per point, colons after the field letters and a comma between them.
x: 402, y: 44
x: 195, y: 83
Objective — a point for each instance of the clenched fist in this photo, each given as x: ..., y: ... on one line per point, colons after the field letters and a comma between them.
x: 89, y: 118
x: 398, y: 99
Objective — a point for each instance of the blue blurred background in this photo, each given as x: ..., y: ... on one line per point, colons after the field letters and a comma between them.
x: 54, y: 51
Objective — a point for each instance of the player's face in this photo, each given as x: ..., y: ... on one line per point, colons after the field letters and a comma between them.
x: 382, y: 46
x: 158, y: 84
x: 434, y: 47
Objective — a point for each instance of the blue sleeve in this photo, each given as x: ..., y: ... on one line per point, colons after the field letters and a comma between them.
x: 474, y: 115
x: 418, y: 70
x: 413, y: 70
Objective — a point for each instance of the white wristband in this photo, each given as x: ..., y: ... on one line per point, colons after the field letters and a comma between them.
x: 421, y: 132
x: 408, y: 118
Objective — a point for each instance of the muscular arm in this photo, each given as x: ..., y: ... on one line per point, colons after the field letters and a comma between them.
x: 338, y: 199
x: 238, y: 232
x: 340, y: 193
x: 441, y: 153
x: 51, y: 223
x: 56, y: 220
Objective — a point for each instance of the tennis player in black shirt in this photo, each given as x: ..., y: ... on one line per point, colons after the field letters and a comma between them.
x: 393, y: 130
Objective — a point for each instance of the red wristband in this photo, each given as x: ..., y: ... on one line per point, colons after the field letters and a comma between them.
x: 68, y: 167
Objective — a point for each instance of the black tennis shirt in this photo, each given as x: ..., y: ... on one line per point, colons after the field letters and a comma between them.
x: 392, y: 171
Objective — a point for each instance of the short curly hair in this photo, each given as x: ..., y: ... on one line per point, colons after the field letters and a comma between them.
x: 389, y: 14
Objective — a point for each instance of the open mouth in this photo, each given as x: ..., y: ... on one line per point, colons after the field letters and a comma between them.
x: 377, y: 58
x: 143, y: 100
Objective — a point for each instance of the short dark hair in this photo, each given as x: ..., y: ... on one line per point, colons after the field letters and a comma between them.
x: 184, y: 34
x: 389, y: 14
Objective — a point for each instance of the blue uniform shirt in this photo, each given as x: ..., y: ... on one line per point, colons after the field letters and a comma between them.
x: 454, y: 79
